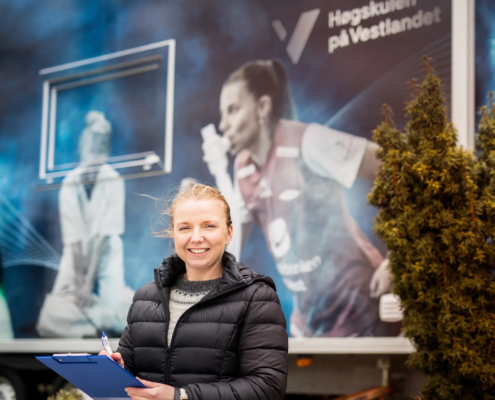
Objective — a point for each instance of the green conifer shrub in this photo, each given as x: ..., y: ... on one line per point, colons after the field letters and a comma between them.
x: 71, y: 394
x: 437, y: 218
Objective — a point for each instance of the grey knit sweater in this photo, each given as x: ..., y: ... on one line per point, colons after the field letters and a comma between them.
x: 185, y: 294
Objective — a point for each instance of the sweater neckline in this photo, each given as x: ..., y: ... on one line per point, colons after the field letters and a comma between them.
x: 184, y: 285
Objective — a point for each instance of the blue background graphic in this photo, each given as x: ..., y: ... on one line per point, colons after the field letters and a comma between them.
x: 213, y: 38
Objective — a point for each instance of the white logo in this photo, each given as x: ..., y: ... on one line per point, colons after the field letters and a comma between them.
x: 301, y: 267
x: 295, y: 286
x: 301, y: 33
x: 246, y: 171
x: 279, y: 238
x: 289, y: 195
x: 287, y: 152
x: 266, y: 191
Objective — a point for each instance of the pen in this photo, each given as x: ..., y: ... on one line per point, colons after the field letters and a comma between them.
x: 106, y: 345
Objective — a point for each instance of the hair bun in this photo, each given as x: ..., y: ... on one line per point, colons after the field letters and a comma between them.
x: 97, y: 123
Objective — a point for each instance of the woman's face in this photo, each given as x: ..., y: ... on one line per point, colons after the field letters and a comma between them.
x: 201, y: 233
x: 239, y: 116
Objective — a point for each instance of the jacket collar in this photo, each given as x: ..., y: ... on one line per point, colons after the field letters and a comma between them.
x: 233, y: 271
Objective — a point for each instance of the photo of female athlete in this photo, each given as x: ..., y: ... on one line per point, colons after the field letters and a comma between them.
x: 289, y: 177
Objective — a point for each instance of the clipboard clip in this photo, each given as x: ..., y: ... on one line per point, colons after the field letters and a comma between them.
x: 76, y: 358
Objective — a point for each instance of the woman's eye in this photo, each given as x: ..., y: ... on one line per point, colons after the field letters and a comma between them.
x: 210, y: 226
x: 183, y: 228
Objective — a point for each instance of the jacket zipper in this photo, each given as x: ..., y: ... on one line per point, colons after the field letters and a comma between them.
x: 188, y: 312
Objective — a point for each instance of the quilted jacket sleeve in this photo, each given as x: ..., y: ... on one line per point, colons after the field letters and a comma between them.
x: 262, y: 354
x: 126, y: 348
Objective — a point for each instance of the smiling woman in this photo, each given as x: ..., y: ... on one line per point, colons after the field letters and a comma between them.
x: 201, y: 228
x: 208, y: 327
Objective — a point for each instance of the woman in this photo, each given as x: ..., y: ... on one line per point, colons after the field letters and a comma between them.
x: 207, y: 327
x: 289, y: 178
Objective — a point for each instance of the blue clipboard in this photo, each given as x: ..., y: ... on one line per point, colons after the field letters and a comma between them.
x: 97, y: 376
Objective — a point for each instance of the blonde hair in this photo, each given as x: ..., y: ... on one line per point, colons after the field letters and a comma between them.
x: 196, y: 191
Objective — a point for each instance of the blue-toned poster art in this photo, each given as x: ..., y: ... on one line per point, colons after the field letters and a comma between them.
x: 106, y: 105
x: 485, y: 51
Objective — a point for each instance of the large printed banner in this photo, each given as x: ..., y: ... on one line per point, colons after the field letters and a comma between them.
x: 485, y: 51
x: 273, y: 102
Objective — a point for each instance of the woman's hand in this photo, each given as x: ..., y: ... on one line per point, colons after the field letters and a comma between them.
x: 156, y: 391
x: 117, y: 357
x: 380, y: 281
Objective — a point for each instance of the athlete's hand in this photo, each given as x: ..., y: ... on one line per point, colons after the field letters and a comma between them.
x: 380, y: 281
x: 215, y: 154
x: 117, y: 357
x: 156, y: 391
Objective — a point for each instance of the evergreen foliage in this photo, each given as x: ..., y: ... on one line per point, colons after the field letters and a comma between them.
x: 71, y: 394
x: 437, y: 218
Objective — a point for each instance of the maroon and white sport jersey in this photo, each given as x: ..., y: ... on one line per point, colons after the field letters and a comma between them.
x: 323, y: 256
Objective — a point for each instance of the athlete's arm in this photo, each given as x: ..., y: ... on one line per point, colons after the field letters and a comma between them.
x: 334, y: 154
x: 381, y: 280
x: 83, y: 295
x: 79, y: 263
x: 370, y: 164
x: 243, y: 216
x: 246, y: 229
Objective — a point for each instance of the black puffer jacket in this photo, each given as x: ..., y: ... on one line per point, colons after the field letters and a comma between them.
x: 230, y: 345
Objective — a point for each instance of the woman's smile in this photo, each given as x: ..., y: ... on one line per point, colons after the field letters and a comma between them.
x: 198, y: 251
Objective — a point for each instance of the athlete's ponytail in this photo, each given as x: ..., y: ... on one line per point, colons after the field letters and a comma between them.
x: 286, y: 106
x: 267, y: 77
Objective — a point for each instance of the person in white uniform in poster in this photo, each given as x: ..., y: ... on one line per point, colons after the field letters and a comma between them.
x: 6, y: 331
x: 289, y: 178
x: 91, y: 274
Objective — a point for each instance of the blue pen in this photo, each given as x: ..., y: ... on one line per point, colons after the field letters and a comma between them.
x: 106, y: 345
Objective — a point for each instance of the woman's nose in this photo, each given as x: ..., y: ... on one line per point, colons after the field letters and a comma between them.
x: 196, y: 237
x: 223, y: 124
